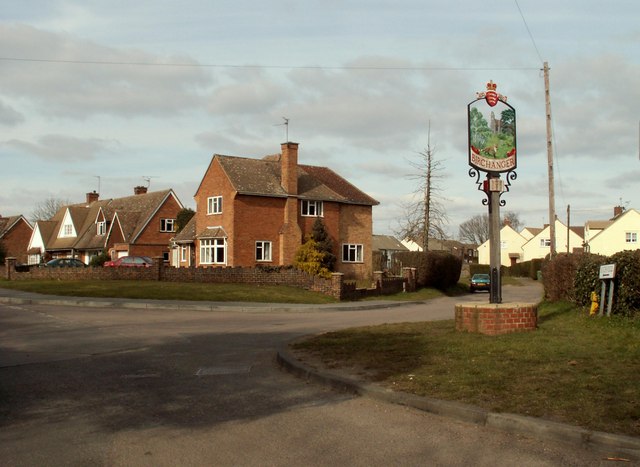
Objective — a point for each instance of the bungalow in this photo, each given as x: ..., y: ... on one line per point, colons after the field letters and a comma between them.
x: 142, y: 224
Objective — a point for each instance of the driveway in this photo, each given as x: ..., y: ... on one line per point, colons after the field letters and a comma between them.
x: 126, y: 386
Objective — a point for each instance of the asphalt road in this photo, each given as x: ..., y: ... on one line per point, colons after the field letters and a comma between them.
x: 120, y: 386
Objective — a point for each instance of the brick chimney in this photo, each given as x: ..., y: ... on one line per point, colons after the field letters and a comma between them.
x: 139, y: 190
x: 290, y: 233
x: 91, y: 197
x: 289, y: 168
x: 617, y: 210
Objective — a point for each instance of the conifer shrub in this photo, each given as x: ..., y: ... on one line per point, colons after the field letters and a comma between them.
x: 310, y: 259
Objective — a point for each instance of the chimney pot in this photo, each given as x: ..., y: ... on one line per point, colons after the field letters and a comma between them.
x: 93, y: 196
x: 139, y: 190
x: 617, y: 210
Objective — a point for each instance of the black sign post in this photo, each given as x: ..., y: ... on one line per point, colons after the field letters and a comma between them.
x: 492, y: 150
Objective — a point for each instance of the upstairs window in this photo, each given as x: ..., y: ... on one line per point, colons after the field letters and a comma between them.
x: 311, y: 208
x: 545, y: 242
x: 631, y: 237
x: 67, y: 230
x: 101, y: 228
x: 351, y: 253
x: 214, y: 205
x: 167, y: 225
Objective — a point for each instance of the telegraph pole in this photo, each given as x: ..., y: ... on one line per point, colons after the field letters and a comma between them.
x: 552, y: 202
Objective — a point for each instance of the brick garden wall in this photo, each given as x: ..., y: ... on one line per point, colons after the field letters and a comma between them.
x: 335, y: 287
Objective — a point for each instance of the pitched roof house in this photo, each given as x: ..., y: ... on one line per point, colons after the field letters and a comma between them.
x: 511, y: 243
x: 258, y: 211
x: 567, y: 240
x: 619, y: 234
x: 141, y: 224
x: 15, y: 232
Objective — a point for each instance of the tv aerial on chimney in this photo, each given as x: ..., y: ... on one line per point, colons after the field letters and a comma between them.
x: 147, y: 178
x: 286, y: 126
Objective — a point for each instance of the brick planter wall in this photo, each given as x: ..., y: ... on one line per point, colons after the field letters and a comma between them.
x: 495, y: 319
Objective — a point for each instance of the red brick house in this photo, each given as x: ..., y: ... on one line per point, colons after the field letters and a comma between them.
x: 142, y: 224
x: 253, y: 212
x: 15, y: 232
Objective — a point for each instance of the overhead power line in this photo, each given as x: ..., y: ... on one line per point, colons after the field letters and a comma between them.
x: 286, y: 67
x: 529, y: 31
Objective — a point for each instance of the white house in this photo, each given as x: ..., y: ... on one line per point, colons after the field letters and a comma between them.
x: 539, y: 246
x: 619, y: 234
x: 510, y: 248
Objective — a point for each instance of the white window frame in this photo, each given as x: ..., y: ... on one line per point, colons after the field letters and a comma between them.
x: 101, y: 228
x: 310, y: 208
x: 211, y: 248
x: 214, y: 205
x: 352, y: 253
x: 263, y: 250
x: 545, y: 242
x: 67, y: 230
x: 183, y: 253
x: 631, y: 237
x: 167, y: 225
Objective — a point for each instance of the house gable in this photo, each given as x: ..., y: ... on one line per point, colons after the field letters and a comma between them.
x: 618, y: 235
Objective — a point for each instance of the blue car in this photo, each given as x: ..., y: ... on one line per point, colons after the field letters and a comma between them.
x: 480, y: 282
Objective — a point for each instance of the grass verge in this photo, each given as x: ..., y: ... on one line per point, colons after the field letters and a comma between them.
x: 172, y: 291
x: 573, y: 369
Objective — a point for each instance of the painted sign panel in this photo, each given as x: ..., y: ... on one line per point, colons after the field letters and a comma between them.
x: 607, y: 271
x: 492, y: 132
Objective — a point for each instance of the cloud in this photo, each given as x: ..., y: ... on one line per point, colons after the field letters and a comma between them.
x: 63, y: 148
x: 78, y: 90
x: 9, y: 116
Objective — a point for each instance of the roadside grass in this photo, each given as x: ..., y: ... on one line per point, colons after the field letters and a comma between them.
x: 572, y: 369
x: 172, y: 291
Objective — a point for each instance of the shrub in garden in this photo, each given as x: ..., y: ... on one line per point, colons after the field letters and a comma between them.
x: 309, y: 259
x: 433, y: 269
x: 558, y: 277
x: 586, y: 280
x: 627, y: 282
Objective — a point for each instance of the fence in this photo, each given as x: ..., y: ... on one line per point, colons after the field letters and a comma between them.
x: 335, y: 287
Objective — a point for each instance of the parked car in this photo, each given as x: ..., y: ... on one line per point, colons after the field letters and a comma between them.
x: 130, y: 262
x: 65, y: 263
x: 480, y: 282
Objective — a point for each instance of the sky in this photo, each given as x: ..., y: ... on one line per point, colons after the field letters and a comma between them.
x: 109, y: 95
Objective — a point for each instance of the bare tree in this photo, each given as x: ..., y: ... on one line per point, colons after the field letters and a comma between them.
x: 46, y: 209
x: 424, y: 215
x: 476, y: 229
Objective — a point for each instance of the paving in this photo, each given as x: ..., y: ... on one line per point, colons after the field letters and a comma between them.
x: 122, y: 382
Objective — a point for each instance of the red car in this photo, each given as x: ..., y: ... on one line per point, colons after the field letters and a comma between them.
x: 130, y: 262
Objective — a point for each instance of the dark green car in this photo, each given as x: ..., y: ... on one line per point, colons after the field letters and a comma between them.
x: 480, y: 282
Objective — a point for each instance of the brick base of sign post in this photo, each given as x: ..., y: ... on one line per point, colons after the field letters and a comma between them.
x: 496, y: 319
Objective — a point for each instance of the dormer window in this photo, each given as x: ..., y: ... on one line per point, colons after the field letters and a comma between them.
x: 67, y: 230
x: 101, y: 228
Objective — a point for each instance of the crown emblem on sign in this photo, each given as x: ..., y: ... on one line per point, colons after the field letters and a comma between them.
x: 490, y: 95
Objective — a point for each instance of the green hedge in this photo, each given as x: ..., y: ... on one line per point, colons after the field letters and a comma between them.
x: 574, y: 277
x: 433, y: 269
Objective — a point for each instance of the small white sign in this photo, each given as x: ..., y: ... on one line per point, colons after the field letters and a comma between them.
x: 607, y: 271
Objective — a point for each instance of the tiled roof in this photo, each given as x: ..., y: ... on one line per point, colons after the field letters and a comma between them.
x: 213, y: 232
x: 7, y: 223
x: 386, y: 242
x: 132, y: 212
x: 263, y: 177
x: 188, y: 233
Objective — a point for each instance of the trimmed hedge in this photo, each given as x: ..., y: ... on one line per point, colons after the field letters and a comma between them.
x: 433, y: 269
x: 526, y: 269
x: 574, y: 277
